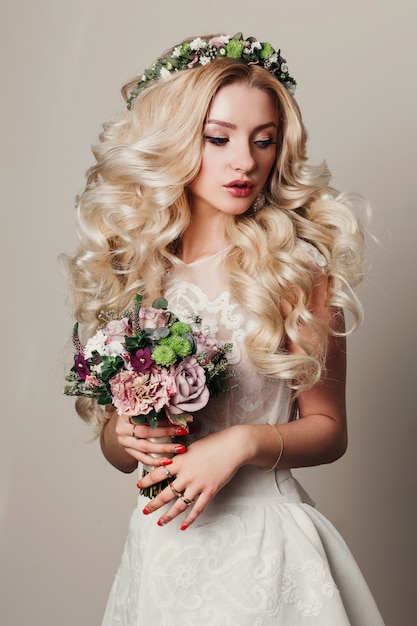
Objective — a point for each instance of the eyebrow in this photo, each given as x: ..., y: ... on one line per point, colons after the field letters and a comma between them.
x: 233, y: 126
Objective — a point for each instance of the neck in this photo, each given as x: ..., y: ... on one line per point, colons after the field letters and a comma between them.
x: 203, y: 237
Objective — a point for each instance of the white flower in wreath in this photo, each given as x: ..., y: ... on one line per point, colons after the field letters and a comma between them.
x: 255, y: 45
x: 204, y: 60
x: 176, y: 51
x: 274, y: 58
x: 290, y: 88
x: 164, y: 73
x: 284, y: 68
x: 198, y: 44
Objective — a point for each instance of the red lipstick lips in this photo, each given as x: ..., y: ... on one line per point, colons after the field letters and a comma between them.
x: 240, y: 188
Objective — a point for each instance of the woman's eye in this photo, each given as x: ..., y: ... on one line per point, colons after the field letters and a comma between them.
x: 217, y: 141
x: 265, y: 143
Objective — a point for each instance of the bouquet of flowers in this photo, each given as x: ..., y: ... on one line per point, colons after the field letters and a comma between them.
x: 149, y: 365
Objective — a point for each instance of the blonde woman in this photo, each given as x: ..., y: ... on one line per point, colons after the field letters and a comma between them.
x: 201, y: 191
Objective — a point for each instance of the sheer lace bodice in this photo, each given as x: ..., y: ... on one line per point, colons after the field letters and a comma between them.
x: 201, y: 289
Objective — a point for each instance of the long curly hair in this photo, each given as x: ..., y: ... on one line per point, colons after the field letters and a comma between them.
x: 135, y: 207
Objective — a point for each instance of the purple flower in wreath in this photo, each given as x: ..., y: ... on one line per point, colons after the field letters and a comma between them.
x: 141, y: 361
x: 81, y: 366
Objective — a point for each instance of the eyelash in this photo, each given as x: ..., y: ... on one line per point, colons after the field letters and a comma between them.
x: 222, y: 141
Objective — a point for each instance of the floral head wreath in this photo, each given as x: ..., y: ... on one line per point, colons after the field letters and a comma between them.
x: 202, y: 51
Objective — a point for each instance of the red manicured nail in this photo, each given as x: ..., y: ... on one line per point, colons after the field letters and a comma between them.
x: 181, y: 431
x: 178, y: 449
x: 161, y: 522
x: 166, y: 462
x: 146, y: 511
x: 184, y: 527
x: 138, y: 485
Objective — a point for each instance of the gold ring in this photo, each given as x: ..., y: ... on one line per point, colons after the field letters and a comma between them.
x: 187, y: 501
x: 176, y: 493
x: 167, y: 472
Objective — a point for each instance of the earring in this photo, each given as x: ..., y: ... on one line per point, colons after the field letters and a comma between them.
x: 259, y: 202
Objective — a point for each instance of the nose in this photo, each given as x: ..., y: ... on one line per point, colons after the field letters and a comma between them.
x: 242, y: 159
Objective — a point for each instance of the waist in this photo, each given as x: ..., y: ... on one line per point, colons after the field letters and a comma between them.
x: 252, y: 483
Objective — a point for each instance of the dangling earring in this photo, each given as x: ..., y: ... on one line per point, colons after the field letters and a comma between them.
x: 259, y: 202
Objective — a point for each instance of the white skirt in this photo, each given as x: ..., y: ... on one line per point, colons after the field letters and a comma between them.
x: 259, y: 555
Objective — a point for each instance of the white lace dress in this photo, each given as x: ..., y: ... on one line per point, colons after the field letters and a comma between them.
x: 260, y: 554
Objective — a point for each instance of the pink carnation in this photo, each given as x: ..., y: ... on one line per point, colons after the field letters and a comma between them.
x: 138, y: 393
x: 192, y: 393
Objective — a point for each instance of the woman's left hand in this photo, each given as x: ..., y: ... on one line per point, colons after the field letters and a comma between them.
x: 200, y: 473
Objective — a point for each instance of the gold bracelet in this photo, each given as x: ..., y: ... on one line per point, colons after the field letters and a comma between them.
x: 270, y: 469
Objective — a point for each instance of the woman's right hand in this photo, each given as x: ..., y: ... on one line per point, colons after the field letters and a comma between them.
x: 124, y: 443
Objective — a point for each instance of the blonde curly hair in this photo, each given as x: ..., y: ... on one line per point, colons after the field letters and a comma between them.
x: 135, y: 207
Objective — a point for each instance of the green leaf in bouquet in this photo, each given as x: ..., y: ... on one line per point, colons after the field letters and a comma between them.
x: 134, y: 342
x: 160, y: 303
x: 154, y: 334
x: 104, y: 398
x: 181, y: 419
x: 152, y: 421
x: 111, y: 366
x: 139, y: 419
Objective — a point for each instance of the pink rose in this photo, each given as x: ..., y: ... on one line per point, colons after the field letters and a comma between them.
x: 206, y: 344
x: 192, y: 393
x: 116, y: 330
x: 138, y: 393
x: 153, y: 318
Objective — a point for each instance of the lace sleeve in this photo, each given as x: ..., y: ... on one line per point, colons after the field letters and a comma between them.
x: 309, y: 253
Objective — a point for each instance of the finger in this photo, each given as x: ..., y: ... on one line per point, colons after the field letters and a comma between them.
x: 143, y: 431
x: 147, y: 459
x: 183, y: 503
x: 198, y: 507
x: 157, y: 475
x: 151, y: 448
x: 165, y: 497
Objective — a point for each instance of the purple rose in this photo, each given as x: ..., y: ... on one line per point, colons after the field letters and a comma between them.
x: 192, y: 393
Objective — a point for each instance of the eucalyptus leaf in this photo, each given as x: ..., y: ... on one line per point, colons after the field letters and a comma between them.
x: 156, y: 333
x: 160, y: 303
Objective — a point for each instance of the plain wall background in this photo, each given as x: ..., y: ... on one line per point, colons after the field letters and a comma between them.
x: 64, y: 511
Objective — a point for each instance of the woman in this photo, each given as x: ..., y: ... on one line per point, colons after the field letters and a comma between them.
x: 201, y: 192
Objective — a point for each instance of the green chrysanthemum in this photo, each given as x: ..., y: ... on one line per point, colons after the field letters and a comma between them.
x: 180, y: 328
x: 164, y: 355
x: 181, y: 346
x: 234, y: 49
x: 266, y: 51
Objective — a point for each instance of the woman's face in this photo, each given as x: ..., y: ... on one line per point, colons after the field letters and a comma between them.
x: 239, y: 151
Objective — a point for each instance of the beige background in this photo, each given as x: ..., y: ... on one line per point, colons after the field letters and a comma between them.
x: 64, y: 511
